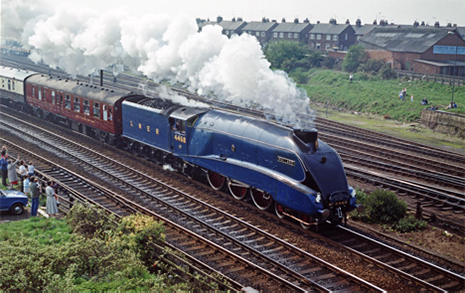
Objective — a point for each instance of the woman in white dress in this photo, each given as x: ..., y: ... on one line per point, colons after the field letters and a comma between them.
x: 52, y: 207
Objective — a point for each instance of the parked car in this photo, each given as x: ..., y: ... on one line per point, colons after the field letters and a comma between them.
x: 13, y: 201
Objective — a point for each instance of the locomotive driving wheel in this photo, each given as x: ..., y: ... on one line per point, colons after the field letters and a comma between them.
x: 237, y: 190
x: 216, y: 180
x: 278, y: 209
x: 261, y: 199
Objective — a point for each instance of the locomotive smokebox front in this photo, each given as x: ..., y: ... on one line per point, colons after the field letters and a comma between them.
x: 308, y: 136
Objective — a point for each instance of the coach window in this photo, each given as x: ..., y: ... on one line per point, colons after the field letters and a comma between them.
x: 13, y: 85
x: 86, y: 107
x: 40, y: 93
x: 33, y: 92
x: 9, y: 85
x: 68, y: 102
x: 77, y: 104
x: 96, y: 110
x: 53, y: 97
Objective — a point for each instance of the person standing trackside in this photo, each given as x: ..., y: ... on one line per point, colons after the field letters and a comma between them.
x: 4, y: 166
x: 52, y: 208
x: 30, y: 169
x: 22, y: 173
x: 12, y: 175
x: 35, y: 194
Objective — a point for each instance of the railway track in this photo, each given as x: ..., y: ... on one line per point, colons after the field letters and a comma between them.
x: 250, y: 250
x: 443, y: 281
x: 74, y: 188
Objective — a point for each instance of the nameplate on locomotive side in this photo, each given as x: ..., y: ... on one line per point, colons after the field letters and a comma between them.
x: 286, y: 161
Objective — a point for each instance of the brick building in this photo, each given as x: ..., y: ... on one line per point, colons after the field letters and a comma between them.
x: 232, y: 27
x: 419, y: 49
x: 261, y: 30
x: 326, y: 36
x: 292, y: 31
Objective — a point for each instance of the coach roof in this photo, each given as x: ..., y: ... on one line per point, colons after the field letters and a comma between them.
x: 76, y: 88
x: 14, y: 73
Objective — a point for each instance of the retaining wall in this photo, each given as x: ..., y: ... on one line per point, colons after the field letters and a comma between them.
x: 444, y: 122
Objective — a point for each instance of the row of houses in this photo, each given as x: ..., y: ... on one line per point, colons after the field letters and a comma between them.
x: 418, y: 47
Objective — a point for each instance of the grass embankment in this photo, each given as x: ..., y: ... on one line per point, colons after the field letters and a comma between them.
x: 374, y: 95
x: 84, y: 253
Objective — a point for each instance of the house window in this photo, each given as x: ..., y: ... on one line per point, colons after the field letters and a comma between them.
x: 312, y: 36
x: 289, y: 35
x: 318, y: 37
x: 86, y: 107
x: 335, y: 38
x: 250, y: 32
x: 77, y: 105
x: 296, y: 36
x: 312, y: 45
x: 96, y: 110
x: 263, y: 34
x: 327, y: 46
x: 281, y: 35
x: 347, y: 36
x: 275, y: 35
x: 68, y: 102
x: 257, y: 34
x: 341, y: 47
x: 328, y: 37
x: 318, y: 45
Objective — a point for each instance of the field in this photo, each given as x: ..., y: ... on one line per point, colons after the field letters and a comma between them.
x: 373, y: 95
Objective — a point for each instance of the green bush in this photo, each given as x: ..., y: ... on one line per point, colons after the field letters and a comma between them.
x: 89, y: 221
x: 409, y: 224
x: 384, y: 207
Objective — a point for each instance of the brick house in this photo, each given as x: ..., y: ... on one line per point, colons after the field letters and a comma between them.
x: 232, y: 27
x: 261, y: 30
x: 419, y: 49
x: 292, y: 31
x: 326, y: 36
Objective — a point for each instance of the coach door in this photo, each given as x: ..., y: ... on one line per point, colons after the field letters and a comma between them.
x: 178, y: 136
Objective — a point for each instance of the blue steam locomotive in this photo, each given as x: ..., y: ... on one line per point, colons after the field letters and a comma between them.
x: 287, y: 169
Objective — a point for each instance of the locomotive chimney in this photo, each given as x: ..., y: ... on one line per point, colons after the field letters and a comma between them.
x: 307, y: 135
x: 101, y: 77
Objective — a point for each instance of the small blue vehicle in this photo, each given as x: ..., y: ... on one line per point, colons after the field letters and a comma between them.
x: 13, y: 201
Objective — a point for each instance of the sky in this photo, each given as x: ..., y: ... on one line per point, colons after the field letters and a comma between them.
x: 396, y: 11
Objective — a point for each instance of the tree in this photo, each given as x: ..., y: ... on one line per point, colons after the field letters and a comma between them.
x: 278, y: 52
x: 355, y: 56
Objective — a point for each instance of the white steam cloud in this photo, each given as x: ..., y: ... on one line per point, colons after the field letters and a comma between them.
x: 164, y: 48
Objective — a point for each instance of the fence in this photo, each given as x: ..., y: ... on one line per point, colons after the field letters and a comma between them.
x: 443, y: 79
